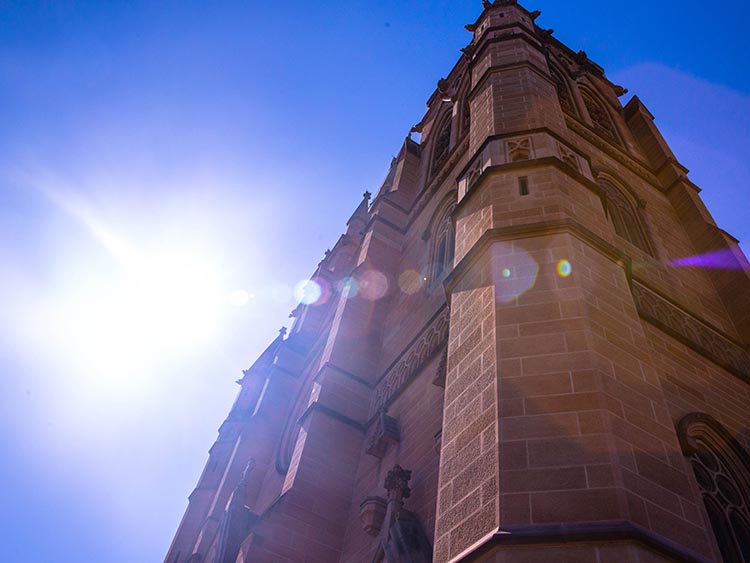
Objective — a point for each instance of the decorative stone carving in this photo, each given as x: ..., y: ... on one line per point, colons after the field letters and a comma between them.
x: 623, y: 215
x: 397, y: 484
x: 469, y: 50
x: 371, y: 514
x: 721, y: 466
x: 620, y: 91
x: 413, y: 360
x: 473, y: 175
x: 691, y: 331
x: 384, y: 432
x: 569, y: 157
x: 618, y: 155
x: 402, y: 537
x: 519, y: 149
x: 599, y: 117
x: 563, y: 93
x: 546, y: 35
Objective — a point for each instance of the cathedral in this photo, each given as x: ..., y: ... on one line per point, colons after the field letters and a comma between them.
x: 530, y: 345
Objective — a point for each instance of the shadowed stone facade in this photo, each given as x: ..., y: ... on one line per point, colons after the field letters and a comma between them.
x: 506, y: 367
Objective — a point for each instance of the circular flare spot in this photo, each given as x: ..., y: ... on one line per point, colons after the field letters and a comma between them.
x: 239, y: 298
x: 308, y: 292
x: 411, y: 282
x: 373, y: 285
x: 564, y: 268
x: 514, y: 272
x: 349, y: 287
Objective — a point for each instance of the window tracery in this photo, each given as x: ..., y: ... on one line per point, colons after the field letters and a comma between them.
x: 623, y: 216
x: 442, y: 145
x: 466, y: 116
x: 722, y: 470
x: 445, y: 245
x: 599, y: 117
x: 563, y: 93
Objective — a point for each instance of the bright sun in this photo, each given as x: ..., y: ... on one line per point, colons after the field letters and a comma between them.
x: 149, y: 309
x: 118, y: 320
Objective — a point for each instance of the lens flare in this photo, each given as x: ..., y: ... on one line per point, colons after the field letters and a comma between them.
x: 239, y: 298
x: 514, y: 272
x: 308, y: 292
x: 564, y: 268
x: 411, y: 282
x: 282, y: 294
x: 348, y: 286
x: 373, y: 285
x: 719, y: 260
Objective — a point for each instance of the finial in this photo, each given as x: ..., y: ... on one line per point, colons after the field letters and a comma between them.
x: 486, y: 4
x: 397, y: 484
x: 367, y: 195
x: 282, y: 331
x: 535, y: 14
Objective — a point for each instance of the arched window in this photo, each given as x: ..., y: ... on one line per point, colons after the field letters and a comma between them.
x: 563, y: 93
x: 442, y: 146
x: 445, y: 245
x: 623, y: 215
x: 722, y: 470
x: 466, y: 115
x: 599, y: 117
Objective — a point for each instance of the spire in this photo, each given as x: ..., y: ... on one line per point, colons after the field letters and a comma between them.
x: 362, y: 213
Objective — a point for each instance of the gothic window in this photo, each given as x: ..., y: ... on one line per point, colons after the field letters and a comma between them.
x: 599, y: 117
x: 442, y: 145
x: 445, y: 243
x: 465, y: 104
x: 722, y: 470
x: 466, y: 116
x: 563, y: 93
x: 623, y: 216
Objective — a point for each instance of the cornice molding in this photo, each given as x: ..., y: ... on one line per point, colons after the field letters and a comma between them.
x: 581, y: 532
x: 640, y: 168
x: 708, y: 341
x: 412, y: 360
x: 535, y: 230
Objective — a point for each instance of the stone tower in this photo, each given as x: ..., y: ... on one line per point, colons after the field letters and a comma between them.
x: 505, y: 364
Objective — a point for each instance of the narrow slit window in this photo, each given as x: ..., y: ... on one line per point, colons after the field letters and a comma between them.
x: 523, y: 183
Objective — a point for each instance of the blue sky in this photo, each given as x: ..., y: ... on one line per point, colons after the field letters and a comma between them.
x: 157, y: 156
